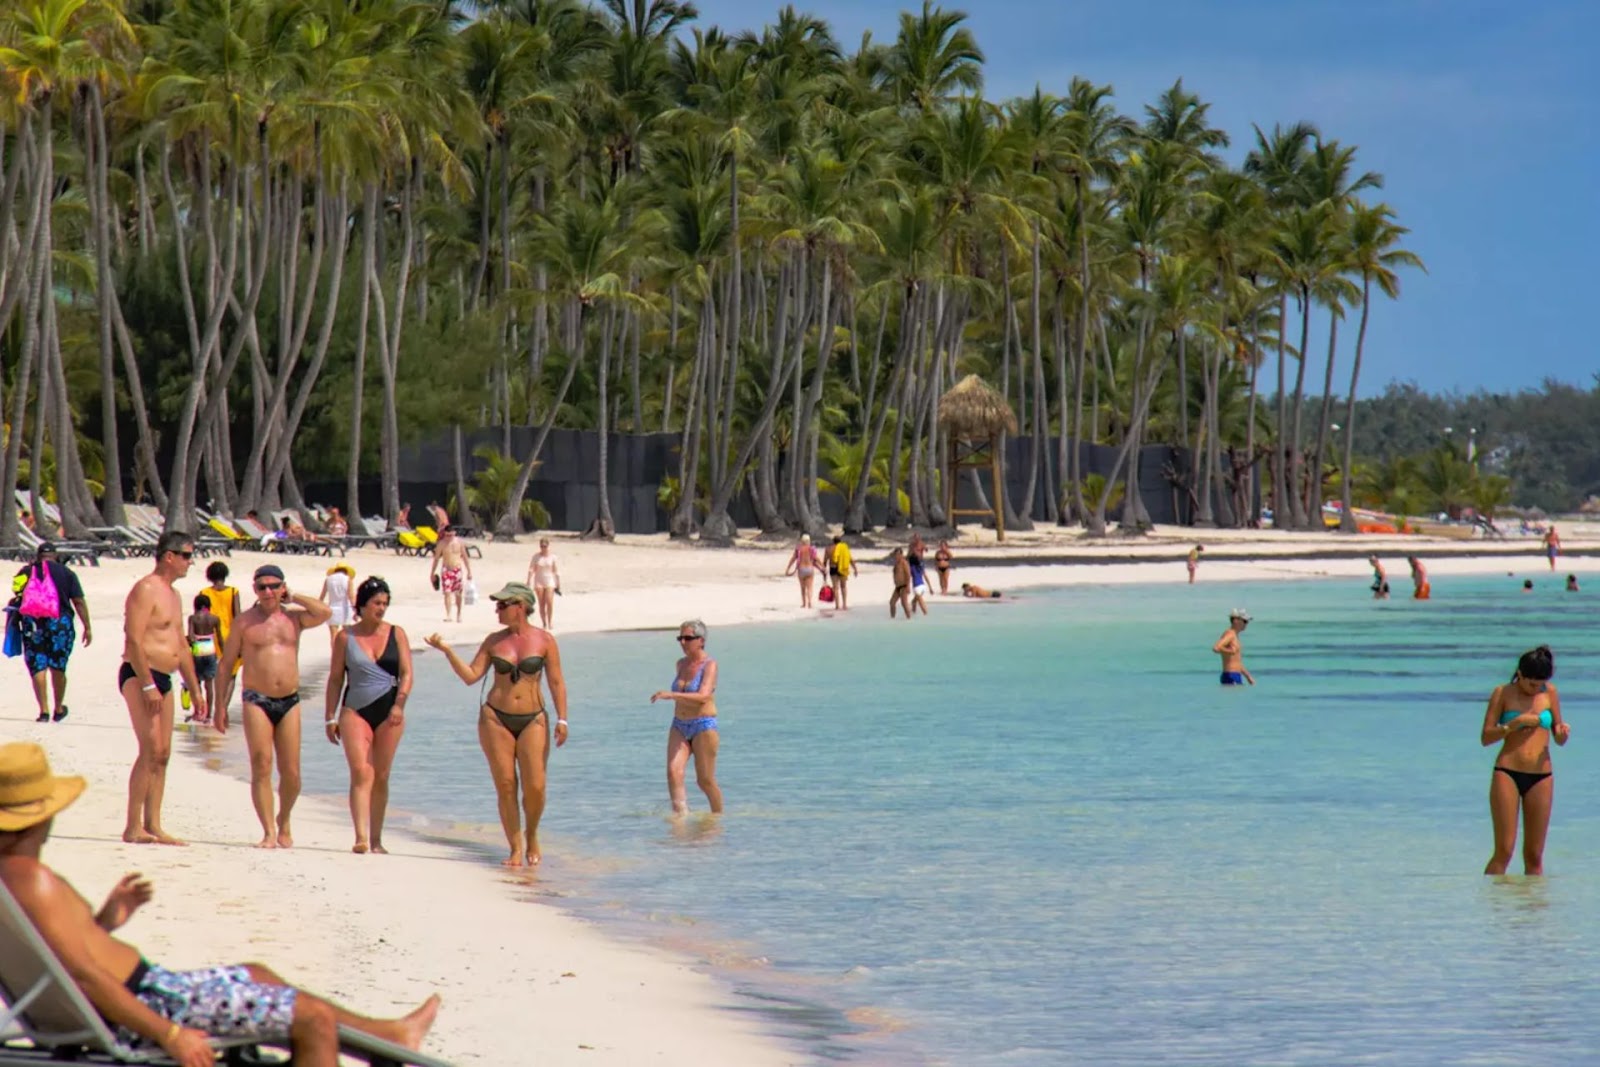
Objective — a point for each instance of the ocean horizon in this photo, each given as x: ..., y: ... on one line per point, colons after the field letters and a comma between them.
x: 1038, y: 831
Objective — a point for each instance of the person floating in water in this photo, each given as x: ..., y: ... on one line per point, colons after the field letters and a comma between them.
x: 1380, y: 579
x: 1232, y: 652
x: 1194, y: 561
x: 1524, y: 714
x: 1572, y: 583
x: 1421, y: 590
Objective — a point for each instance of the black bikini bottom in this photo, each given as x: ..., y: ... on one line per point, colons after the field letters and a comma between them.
x: 515, y: 724
x: 1524, y: 780
x: 163, y: 681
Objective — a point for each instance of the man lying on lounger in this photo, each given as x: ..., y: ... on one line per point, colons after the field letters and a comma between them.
x: 147, y: 1004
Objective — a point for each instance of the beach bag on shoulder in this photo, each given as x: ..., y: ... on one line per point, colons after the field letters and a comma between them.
x: 40, y: 599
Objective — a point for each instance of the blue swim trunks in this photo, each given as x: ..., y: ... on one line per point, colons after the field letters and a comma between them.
x: 221, y: 1001
x: 1232, y: 678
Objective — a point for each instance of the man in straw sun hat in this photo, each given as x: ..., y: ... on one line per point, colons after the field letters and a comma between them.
x: 1232, y: 652
x: 149, y: 1005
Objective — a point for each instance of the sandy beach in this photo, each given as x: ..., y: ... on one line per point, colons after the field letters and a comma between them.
x: 522, y: 980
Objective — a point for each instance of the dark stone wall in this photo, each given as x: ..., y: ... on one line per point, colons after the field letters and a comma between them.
x: 565, y: 481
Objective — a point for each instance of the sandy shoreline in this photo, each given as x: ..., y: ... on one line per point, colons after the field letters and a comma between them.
x: 519, y: 982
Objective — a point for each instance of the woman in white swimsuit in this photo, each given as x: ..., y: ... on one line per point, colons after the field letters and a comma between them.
x: 336, y: 594
x: 545, y: 577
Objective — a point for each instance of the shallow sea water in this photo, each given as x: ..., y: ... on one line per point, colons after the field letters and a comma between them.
x: 1038, y: 832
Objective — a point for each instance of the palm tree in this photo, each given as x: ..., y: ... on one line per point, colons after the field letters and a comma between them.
x: 1373, y: 250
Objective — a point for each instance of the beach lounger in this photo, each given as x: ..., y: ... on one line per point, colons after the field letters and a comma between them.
x: 44, y: 1008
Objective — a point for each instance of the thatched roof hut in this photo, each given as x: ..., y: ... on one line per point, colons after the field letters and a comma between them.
x: 975, y: 410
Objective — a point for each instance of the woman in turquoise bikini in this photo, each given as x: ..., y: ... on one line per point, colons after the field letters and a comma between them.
x: 694, y: 720
x: 1525, y: 714
x: 513, y: 725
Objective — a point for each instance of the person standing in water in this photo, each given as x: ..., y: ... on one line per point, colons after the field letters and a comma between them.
x: 513, y: 723
x: 1524, y: 714
x: 694, y: 720
x: 1232, y: 652
x: 1380, y: 579
x: 1572, y: 583
x: 1421, y: 590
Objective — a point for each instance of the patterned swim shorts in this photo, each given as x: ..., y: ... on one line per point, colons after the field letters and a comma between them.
x: 221, y: 1001
x: 450, y: 580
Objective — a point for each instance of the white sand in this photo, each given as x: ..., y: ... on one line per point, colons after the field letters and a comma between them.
x: 523, y: 981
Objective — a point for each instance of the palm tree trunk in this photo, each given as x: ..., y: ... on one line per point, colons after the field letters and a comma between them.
x: 607, y: 329
x: 1314, y: 489
x: 95, y: 160
x: 1297, y: 514
x: 1347, y: 518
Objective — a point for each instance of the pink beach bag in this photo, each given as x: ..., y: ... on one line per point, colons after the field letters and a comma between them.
x: 39, y: 597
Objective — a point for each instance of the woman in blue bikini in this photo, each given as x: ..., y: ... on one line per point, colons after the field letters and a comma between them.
x: 1525, y: 714
x: 694, y: 720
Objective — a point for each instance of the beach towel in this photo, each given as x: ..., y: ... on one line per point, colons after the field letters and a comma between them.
x: 39, y: 597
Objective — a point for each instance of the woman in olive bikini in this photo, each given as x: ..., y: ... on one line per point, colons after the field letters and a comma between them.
x: 513, y: 725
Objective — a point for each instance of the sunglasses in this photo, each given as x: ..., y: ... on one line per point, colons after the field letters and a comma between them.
x: 688, y: 637
x: 269, y: 588
x: 186, y: 555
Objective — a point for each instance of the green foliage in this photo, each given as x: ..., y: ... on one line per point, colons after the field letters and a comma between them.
x: 489, y: 495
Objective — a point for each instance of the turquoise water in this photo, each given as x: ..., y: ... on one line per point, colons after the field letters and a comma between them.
x: 1039, y: 833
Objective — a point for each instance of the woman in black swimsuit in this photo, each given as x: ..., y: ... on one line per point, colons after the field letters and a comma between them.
x: 941, y: 562
x: 368, y: 684
x: 1525, y: 713
x: 513, y: 725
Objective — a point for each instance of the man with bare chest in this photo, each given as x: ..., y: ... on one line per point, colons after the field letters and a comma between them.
x: 267, y: 639
x: 450, y: 562
x: 154, y: 648
x: 150, y: 1006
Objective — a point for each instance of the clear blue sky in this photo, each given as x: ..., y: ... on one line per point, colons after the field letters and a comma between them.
x: 1480, y: 115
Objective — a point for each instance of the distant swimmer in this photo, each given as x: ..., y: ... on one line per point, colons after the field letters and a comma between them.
x: 1527, y: 585
x: 1232, y: 652
x: 1380, y: 579
x: 1421, y: 590
x: 1552, y: 545
x: 1524, y: 714
x: 1194, y: 561
x: 978, y: 591
x: 1572, y: 583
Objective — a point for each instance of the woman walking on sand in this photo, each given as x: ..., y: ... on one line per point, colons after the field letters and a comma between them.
x: 694, y: 720
x: 1524, y: 714
x: 513, y: 723
x: 369, y: 681
x: 545, y: 577
x: 336, y: 594
x: 804, y: 561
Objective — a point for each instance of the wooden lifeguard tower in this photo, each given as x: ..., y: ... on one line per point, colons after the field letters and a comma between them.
x: 976, y: 418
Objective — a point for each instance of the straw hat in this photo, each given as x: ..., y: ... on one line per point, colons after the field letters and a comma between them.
x: 29, y: 793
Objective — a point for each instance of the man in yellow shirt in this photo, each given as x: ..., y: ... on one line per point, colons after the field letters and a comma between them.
x: 843, y: 568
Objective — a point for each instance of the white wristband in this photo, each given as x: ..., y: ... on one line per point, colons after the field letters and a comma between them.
x: 151, y: 688
x: 561, y: 722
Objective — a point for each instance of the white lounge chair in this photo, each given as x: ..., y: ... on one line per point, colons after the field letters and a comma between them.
x: 46, y: 1019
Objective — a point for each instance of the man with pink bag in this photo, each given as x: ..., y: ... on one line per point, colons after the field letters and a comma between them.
x: 48, y: 601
